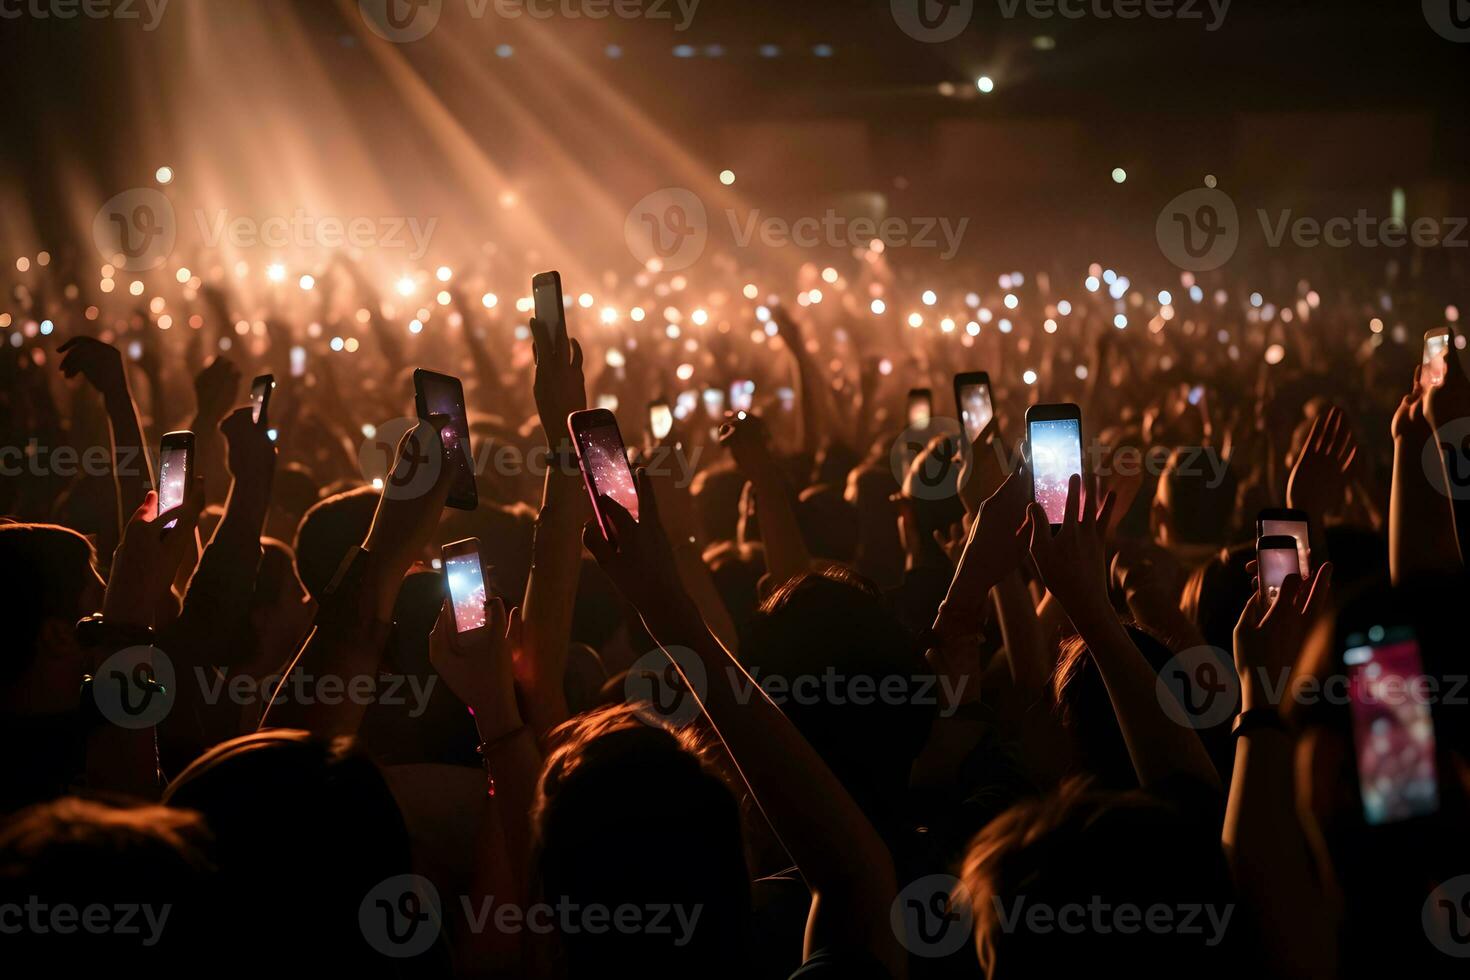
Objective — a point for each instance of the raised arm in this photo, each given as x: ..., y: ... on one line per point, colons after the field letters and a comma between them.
x: 556, y: 553
x: 351, y: 628
x: 785, y: 548
x: 132, y: 473
x: 845, y: 862
x: 1270, y: 854
x: 1073, y: 564
x: 1421, y: 522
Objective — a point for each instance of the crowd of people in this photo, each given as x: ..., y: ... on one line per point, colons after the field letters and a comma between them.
x: 836, y: 698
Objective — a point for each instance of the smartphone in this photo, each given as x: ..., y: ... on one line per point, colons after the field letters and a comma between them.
x: 1280, y: 520
x: 603, y: 457
x: 972, y: 400
x: 175, y: 470
x: 260, y: 398
x: 714, y: 403
x: 1393, y: 728
x: 1054, y: 451
x: 660, y: 419
x: 1196, y: 394
x: 1276, y: 558
x: 742, y: 395
x: 298, y: 362
x: 440, y: 394
x: 921, y: 406
x: 546, y: 291
x: 466, y: 578
x: 1436, y: 349
x: 787, y: 398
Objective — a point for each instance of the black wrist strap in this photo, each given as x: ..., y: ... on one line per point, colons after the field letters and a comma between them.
x: 1259, y: 718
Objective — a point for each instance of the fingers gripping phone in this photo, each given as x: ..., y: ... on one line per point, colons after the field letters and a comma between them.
x: 175, y: 470
x: 1393, y: 726
x: 1436, y: 349
x: 442, y: 395
x: 550, y: 311
x: 604, y: 460
x: 466, y: 578
x: 972, y: 401
x: 921, y: 406
x: 1281, y: 520
x: 1276, y: 558
x: 260, y: 398
x: 1054, y: 451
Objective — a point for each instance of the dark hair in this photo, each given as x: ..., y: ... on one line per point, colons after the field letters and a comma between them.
x: 1081, y: 847
x: 629, y: 813
x: 301, y: 816
x: 829, y: 524
x: 1216, y: 592
x: 1199, y: 490
x: 85, y: 854
x: 327, y: 531
x: 833, y: 622
x: 44, y: 569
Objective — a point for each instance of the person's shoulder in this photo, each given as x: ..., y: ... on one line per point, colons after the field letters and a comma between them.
x: 845, y: 964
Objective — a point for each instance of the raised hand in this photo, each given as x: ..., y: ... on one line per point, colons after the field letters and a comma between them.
x: 1449, y: 401
x: 101, y: 364
x: 560, y: 388
x: 639, y: 559
x: 1269, y: 635
x: 1319, y: 480
x: 408, y: 511
x: 749, y: 441
x: 478, y: 666
x: 984, y: 468
x: 995, y: 547
x: 149, y: 556
x: 215, y: 391
x: 252, y: 454
x: 1073, y: 561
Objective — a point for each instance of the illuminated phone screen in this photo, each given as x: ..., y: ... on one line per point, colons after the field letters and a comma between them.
x: 257, y: 399
x: 173, y: 471
x: 605, y: 461
x: 1275, y: 565
x: 921, y: 409
x: 1393, y: 729
x: 660, y: 421
x: 1291, y: 529
x: 742, y: 396
x: 1436, y: 346
x: 975, y: 409
x: 466, y: 590
x: 445, y: 396
x: 1056, y: 455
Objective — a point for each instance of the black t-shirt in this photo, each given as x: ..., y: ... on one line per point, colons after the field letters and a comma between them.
x: 841, y: 965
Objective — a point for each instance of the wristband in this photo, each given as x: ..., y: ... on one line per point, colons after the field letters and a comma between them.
x: 1258, y: 718
x: 94, y: 633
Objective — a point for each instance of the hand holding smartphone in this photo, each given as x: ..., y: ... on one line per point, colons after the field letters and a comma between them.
x: 466, y: 578
x: 442, y: 395
x: 1276, y: 558
x: 921, y: 407
x: 1054, y: 452
x: 551, y: 315
x: 260, y: 398
x: 175, y: 470
x: 1282, y: 520
x: 972, y: 401
x: 603, y: 457
x: 1436, y: 349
